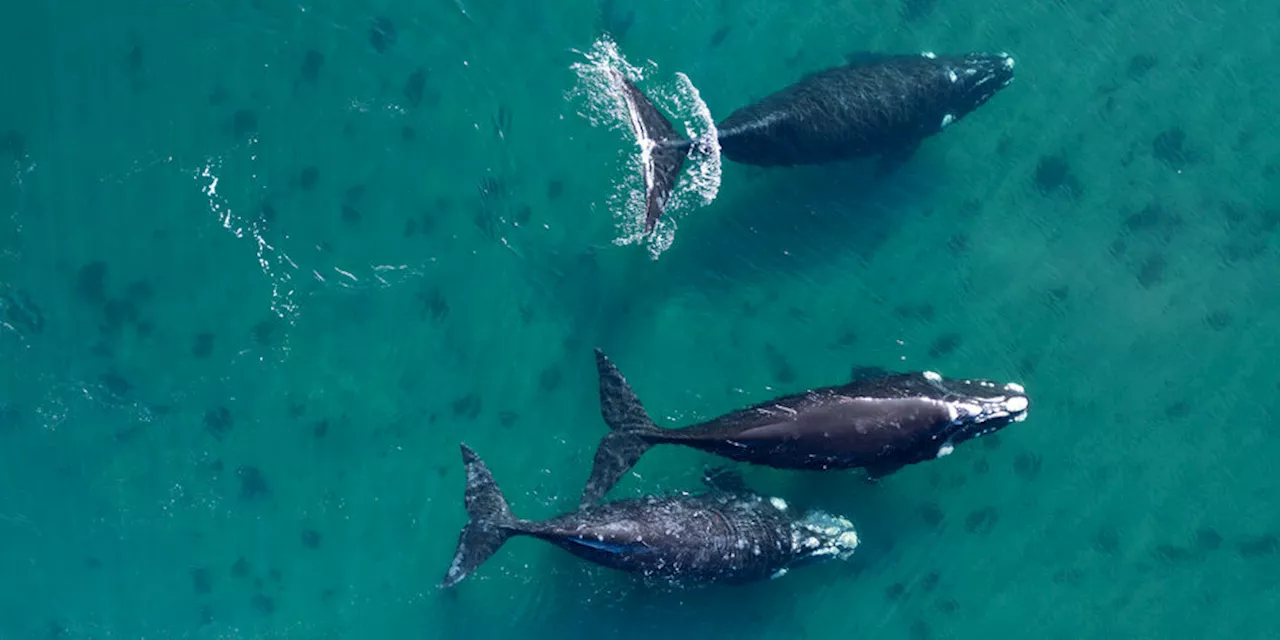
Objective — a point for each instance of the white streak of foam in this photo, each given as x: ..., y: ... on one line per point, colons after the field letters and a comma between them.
x: 270, y: 260
x: 704, y: 175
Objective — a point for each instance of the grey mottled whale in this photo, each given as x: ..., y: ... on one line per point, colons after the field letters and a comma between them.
x: 878, y: 105
x: 879, y: 424
x: 726, y: 535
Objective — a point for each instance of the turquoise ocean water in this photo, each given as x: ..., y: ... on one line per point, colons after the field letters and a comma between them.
x: 264, y: 264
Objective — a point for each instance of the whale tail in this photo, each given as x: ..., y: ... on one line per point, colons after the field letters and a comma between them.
x: 631, y: 432
x: 491, y: 522
x: 665, y: 149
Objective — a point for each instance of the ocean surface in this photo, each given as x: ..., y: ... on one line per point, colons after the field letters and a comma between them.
x: 265, y: 264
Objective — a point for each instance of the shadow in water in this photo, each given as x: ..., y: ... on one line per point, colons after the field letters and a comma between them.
x: 786, y: 221
x: 768, y: 227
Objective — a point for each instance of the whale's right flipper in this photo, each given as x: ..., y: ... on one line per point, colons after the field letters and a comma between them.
x: 724, y: 479
x: 632, y: 432
x: 890, y: 162
x: 860, y: 372
x: 665, y: 158
x: 491, y: 522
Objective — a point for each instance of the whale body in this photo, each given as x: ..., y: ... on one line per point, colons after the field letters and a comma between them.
x: 878, y: 105
x: 726, y: 535
x: 881, y: 424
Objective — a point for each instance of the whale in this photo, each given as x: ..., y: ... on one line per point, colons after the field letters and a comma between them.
x: 727, y: 534
x: 876, y: 105
x: 879, y: 423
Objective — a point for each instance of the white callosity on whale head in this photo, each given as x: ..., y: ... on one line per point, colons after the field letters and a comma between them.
x: 848, y: 541
x: 946, y: 449
x: 929, y: 54
x: 960, y: 411
x: 821, y: 534
x: 778, y: 503
x: 1017, y: 405
x: 947, y: 120
x: 932, y: 376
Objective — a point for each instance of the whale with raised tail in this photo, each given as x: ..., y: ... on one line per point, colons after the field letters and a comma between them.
x: 877, y: 105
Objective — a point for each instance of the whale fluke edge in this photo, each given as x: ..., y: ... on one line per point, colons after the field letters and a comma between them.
x: 630, y: 431
x: 491, y: 523
x: 664, y: 149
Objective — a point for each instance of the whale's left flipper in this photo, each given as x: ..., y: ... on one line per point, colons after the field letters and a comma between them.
x: 666, y: 150
x: 724, y: 479
x: 891, y: 161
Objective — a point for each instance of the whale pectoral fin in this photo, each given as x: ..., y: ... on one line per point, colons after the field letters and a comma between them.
x: 858, y: 373
x: 865, y: 58
x: 892, y: 161
x: 876, y: 472
x: 724, y: 479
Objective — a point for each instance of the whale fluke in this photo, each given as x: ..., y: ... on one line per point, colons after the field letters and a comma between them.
x: 631, y: 431
x: 491, y: 522
x: 665, y: 150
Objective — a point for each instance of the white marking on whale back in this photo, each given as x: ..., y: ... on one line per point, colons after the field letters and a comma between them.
x: 951, y: 74
x: 946, y: 449
x: 947, y: 120
x: 932, y: 376
x: 929, y: 54
x: 779, y: 573
x: 778, y: 503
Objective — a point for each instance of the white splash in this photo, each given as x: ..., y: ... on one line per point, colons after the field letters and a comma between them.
x: 605, y: 104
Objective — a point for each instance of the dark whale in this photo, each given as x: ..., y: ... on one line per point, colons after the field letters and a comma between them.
x: 879, y: 105
x: 879, y: 424
x: 726, y: 535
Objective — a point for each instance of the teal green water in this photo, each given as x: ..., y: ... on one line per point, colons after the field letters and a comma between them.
x: 257, y: 282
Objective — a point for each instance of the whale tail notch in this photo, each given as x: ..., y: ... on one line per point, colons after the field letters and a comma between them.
x: 631, y: 432
x: 491, y: 522
x: 665, y: 150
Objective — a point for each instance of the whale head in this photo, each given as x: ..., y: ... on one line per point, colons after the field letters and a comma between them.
x: 820, y: 535
x: 976, y: 407
x: 975, y: 78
